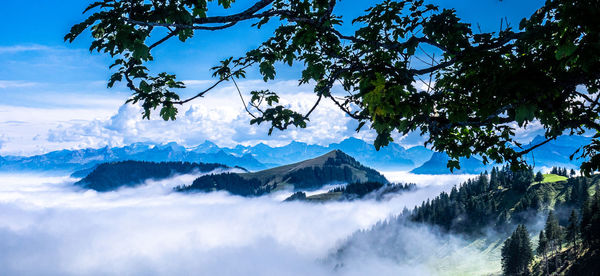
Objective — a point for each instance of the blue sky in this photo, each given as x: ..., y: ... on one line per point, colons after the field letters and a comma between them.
x: 54, y: 96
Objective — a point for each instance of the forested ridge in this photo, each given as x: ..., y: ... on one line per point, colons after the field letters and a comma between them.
x: 333, y: 167
x: 356, y: 190
x: 478, y: 202
x: 570, y: 241
x: 111, y: 176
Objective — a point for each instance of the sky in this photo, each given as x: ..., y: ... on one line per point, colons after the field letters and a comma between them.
x: 53, y: 95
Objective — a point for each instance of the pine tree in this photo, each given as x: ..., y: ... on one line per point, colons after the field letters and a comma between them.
x: 594, y: 220
x: 572, y: 173
x: 542, y: 249
x: 572, y: 229
x: 522, y: 179
x: 539, y: 177
x: 494, y: 179
x: 586, y: 218
x: 552, y: 229
x: 484, y: 183
x: 517, y: 253
x: 525, y: 250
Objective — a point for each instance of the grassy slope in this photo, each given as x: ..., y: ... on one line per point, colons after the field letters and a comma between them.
x: 280, y: 175
x: 550, y: 178
x: 324, y: 197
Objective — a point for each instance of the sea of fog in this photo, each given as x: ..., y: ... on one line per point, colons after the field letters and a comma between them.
x: 50, y: 227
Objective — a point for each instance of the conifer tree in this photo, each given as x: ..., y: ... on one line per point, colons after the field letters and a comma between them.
x: 590, y: 222
x: 494, y: 179
x: 517, y: 253
x: 542, y: 249
x: 539, y: 177
x: 586, y: 218
x: 572, y: 229
x: 552, y: 230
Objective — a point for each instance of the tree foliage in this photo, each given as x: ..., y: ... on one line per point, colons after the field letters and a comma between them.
x: 542, y: 248
x: 572, y: 229
x: 553, y: 232
x: 480, y: 86
x: 476, y: 203
x: 517, y: 253
x: 590, y: 222
x: 539, y: 177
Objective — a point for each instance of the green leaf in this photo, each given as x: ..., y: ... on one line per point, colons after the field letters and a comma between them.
x: 524, y: 113
x: 565, y: 50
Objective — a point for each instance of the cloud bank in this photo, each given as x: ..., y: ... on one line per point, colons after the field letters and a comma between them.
x: 49, y: 227
x: 82, y: 114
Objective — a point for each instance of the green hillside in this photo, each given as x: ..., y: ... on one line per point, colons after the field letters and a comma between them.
x: 483, y: 204
x: 333, y: 167
x: 549, y: 178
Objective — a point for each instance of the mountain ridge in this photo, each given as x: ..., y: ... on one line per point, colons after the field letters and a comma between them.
x: 77, y: 160
x: 262, y: 156
x: 555, y: 153
x: 334, y: 166
x: 438, y: 165
x: 111, y: 176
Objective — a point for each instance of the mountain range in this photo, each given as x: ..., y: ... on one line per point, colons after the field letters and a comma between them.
x: 259, y: 157
x: 76, y: 160
x: 392, y: 157
x: 555, y: 153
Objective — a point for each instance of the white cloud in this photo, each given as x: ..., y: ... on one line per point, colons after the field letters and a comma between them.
x: 218, y: 117
x: 22, y: 48
x: 525, y: 134
x: 3, y: 139
x: 76, y: 120
x: 16, y: 84
x: 49, y: 227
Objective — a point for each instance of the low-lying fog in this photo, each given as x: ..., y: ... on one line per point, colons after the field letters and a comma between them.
x: 50, y: 227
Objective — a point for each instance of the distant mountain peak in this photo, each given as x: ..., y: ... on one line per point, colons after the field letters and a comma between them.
x: 353, y: 141
x: 438, y: 164
x: 208, y: 143
x: 335, y: 153
x: 173, y: 146
x: 294, y: 142
x: 338, y: 156
x: 206, y: 147
x: 332, y: 167
x: 439, y: 156
x: 538, y: 139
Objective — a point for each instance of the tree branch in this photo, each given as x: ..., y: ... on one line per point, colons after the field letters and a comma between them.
x: 201, y: 94
x: 521, y: 153
x: 167, y: 37
x: 182, y: 26
x: 246, y: 14
x: 242, y: 98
